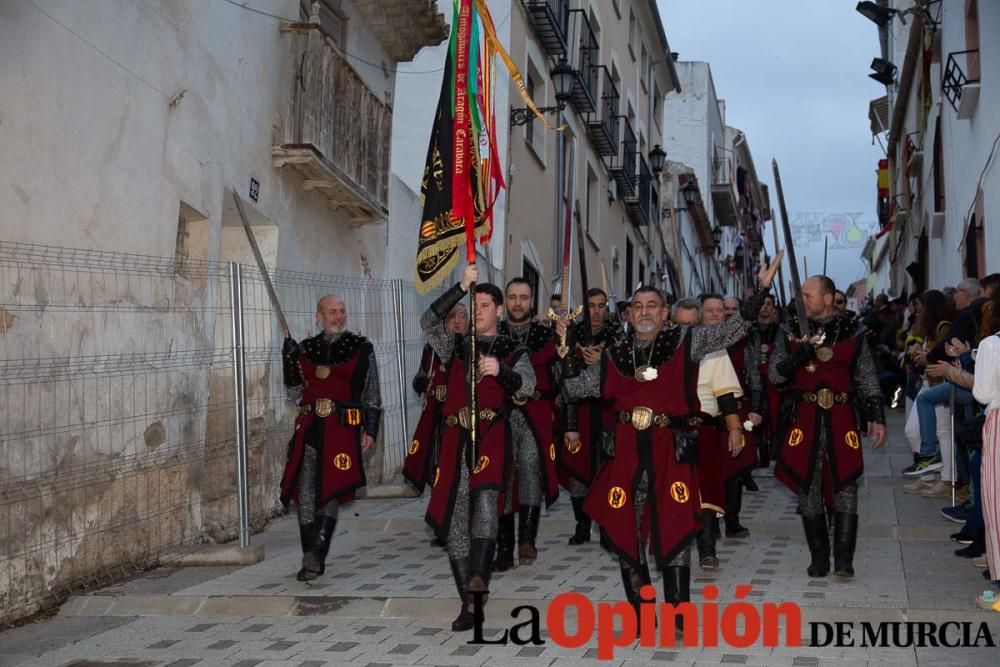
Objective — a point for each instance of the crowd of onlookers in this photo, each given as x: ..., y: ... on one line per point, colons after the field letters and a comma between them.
x: 938, y: 356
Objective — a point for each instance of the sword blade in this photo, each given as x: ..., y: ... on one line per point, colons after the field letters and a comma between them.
x: 800, y: 307
x: 261, y: 266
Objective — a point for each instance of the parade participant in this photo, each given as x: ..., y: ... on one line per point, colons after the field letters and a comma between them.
x: 334, y: 379
x: 591, y: 417
x: 731, y: 306
x: 463, y: 506
x: 719, y: 432
x: 649, y: 490
x: 531, y: 432
x: 431, y: 382
x: 767, y: 403
x: 832, y: 379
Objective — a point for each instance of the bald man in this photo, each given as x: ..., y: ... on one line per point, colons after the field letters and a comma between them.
x: 334, y: 379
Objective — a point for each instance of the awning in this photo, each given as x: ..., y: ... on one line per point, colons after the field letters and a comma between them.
x: 878, y: 114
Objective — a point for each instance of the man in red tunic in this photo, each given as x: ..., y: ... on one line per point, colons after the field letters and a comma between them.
x: 533, y: 477
x: 472, y: 472
x: 592, y: 417
x: 431, y: 383
x: 334, y: 379
x: 833, y: 381
x: 649, y: 490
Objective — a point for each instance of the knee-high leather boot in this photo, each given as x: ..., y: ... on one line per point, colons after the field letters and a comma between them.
x: 677, y: 589
x: 734, y: 503
x: 465, y: 619
x: 818, y: 539
x: 845, y: 538
x: 582, y: 534
x: 706, y: 541
x: 505, y: 543
x: 527, y: 532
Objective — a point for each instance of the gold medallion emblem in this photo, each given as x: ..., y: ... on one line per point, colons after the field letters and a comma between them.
x: 322, y: 372
x: 679, y: 492
x: 852, y: 439
x: 641, y: 417
x: 414, y: 446
x: 617, y: 497
x: 552, y: 451
x: 795, y: 437
x: 824, y: 353
x: 481, y: 465
x: 342, y: 461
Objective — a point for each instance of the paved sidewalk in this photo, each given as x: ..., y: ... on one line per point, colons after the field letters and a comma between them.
x: 388, y: 598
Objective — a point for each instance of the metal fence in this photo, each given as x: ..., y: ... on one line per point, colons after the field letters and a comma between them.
x: 117, y: 406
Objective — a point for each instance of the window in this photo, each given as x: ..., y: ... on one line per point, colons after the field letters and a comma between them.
x: 530, y: 274
x: 592, y: 205
x: 529, y: 128
x: 633, y: 29
x: 192, y: 240
x: 629, y: 261
x: 939, y: 202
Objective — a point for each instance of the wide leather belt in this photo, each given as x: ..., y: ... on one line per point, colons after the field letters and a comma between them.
x: 463, y: 417
x: 537, y: 396
x: 825, y: 398
x: 641, y: 418
x: 324, y: 407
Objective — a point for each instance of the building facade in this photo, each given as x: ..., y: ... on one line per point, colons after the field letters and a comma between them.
x: 598, y: 168
x: 939, y: 188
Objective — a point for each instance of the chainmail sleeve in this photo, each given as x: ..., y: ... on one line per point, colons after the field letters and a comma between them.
x: 585, y: 384
x: 523, y: 368
x: 868, y: 394
x: 371, y: 398
x: 752, y: 380
x: 708, y: 339
x: 432, y: 322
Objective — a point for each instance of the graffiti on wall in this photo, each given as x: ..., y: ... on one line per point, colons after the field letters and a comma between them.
x: 845, y: 230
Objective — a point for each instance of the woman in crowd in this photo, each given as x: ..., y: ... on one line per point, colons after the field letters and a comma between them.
x: 986, y: 389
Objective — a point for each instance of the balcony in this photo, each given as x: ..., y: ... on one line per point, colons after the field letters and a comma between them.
x: 404, y: 26
x: 338, y: 131
x: 639, y: 207
x: 550, y: 21
x: 724, y: 198
x: 961, y: 89
x: 603, y: 124
x: 583, y: 95
x: 623, y: 166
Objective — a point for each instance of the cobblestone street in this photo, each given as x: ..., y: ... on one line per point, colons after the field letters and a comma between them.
x: 388, y: 598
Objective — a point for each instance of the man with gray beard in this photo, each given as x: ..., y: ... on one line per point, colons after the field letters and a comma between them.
x: 333, y: 377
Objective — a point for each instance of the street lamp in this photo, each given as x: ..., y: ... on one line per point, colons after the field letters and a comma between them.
x: 717, y: 239
x: 657, y: 157
x: 562, y: 78
x: 881, y: 16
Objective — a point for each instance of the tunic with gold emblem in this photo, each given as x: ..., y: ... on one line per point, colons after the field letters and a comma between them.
x: 420, y: 463
x: 836, y: 393
x: 340, y: 402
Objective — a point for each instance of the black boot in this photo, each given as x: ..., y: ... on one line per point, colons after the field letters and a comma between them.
x: 845, y: 537
x: 481, y: 555
x: 634, y: 579
x: 310, y: 566
x: 325, y: 526
x: 734, y: 503
x: 706, y: 541
x: 818, y: 539
x: 465, y: 619
x: 582, y: 534
x: 975, y: 548
x: 749, y: 484
x: 677, y: 589
x: 527, y: 532
x: 505, y: 543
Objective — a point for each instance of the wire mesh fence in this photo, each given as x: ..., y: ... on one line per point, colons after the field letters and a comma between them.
x: 117, y: 426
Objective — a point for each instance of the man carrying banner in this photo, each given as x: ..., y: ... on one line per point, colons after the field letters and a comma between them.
x: 533, y: 477
x: 463, y: 506
x: 334, y: 379
x: 650, y: 488
x: 831, y: 377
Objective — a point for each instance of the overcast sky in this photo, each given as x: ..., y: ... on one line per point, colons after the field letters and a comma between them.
x: 793, y: 74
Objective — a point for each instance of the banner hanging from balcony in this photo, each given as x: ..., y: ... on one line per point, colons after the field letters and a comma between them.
x: 463, y: 174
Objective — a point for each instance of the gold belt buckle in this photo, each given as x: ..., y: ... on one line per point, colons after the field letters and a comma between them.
x: 824, y: 398
x: 324, y: 407
x: 440, y: 393
x: 642, y: 417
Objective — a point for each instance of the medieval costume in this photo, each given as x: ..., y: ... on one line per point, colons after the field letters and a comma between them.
x: 334, y: 380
